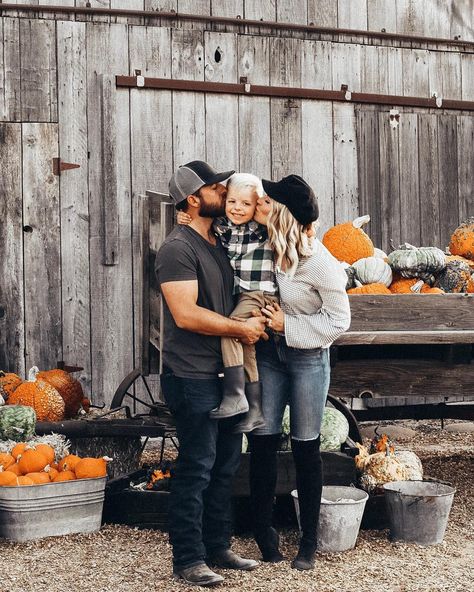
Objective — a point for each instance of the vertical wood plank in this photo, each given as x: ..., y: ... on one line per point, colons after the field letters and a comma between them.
x: 318, y: 157
x: 462, y: 20
x: 230, y: 8
x: 368, y: 160
x: 285, y: 61
x: 127, y: 5
x: 389, y: 183
x: 390, y: 70
x: 316, y: 65
x: 370, y: 69
x: 323, y: 13
x: 294, y: 12
x: 465, y: 135
x: 72, y: 116
x: 96, y: 18
x: 429, y: 186
x: 409, y: 179
x: 346, y: 182
x: 42, y: 248
x: 448, y: 177
x: 112, y: 339
x: 194, y: 6
x: 12, y: 329
x: 254, y: 112
x: 346, y: 66
x: 264, y: 10
x: 352, y: 14
x: 437, y: 17
x: 161, y: 5
x: 381, y: 16
x: 415, y: 72
x: 467, y: 77
x: 222, y: 112
x: 410, y: 17
x: 10, y: 105
x: 445, y: 74
x: 38, y: 70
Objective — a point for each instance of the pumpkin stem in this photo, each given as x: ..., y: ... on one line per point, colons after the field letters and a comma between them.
x: 32, y: 374
x: 107, y: 458
x: 360, y: 221
x: 416, y: 288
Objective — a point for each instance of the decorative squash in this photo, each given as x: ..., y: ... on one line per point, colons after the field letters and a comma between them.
x: 24, y: 480
x: 334, y: 429
x: 462, y: 240
x: 469, y: 262
x: 39, y: 478
x: 40, y: 395
x: 51, y: 472
x: 15, y: 468
x: 67, y: 386
x: 46, y: 450
x: 380, y: 254
x: 403, y: 286
x: 418, y: 262
x: 91, y: 468
x: 18, y: 449
x: 32, y: 461
x: 348, y: 242
x: 370, y: 289
x: 454, y: 278
x: 68, y: 463
x: 17, y: 422
x: 6, y: 460
x: 373, y: 270
x: 470, y: 285
x: 8, y: 383
x: 65, y: 476
x: 7, y: 479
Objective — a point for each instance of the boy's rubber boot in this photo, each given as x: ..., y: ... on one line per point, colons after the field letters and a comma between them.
x: 309, y: 483
x: 234, y: 401
x: 263, y: 477
x: 254, y: 418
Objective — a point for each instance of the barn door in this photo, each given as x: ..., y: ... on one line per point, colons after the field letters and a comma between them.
x: 414, y: 178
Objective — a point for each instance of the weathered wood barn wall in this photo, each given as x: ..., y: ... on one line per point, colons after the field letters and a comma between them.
x: 68, y: 244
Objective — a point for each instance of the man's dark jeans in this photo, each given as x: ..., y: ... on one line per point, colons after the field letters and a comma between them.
x: 200, y: 521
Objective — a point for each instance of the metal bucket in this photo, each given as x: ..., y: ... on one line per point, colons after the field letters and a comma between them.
x: 339, y: 521
x: 37, y: 511
x: 418, y: 511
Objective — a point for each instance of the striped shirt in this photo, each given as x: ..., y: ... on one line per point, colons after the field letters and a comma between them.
x: 314, y: 300
x: 250, y: 255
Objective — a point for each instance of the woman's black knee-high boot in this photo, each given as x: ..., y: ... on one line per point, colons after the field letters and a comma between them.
x: 309, y: 482
x: 263, y: 476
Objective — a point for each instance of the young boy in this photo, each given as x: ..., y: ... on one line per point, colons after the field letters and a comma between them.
x: 245, y: 241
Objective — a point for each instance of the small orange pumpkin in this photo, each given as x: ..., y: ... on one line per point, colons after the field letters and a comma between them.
x: 403, y: 286
x: 15, y: 468
x: 8, y: 383
x: 18, y: 449
x: 24, y: 480
x: 38, y: 478
x: 91, y: 468
x: 65, y: 476
x: 51, y: 472
x: 370, y: 289
x: 348, y: 242
x: 47, y: 451
x: 6, y: 460
x: 32, y: 461
x: 7, y: 479
x: 44, y: 398
x: 67, y: 386
x: 68, y: 463
x: 462, y: 240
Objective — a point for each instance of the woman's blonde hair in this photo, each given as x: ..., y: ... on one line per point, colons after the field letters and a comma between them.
x: 288, y: 238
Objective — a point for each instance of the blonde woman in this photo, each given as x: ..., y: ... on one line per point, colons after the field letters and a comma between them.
x: 294, y: 363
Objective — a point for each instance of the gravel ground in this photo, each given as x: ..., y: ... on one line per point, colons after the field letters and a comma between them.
x: 122, y: 559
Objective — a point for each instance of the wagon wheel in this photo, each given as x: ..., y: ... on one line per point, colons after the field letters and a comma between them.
x: 354, y: 431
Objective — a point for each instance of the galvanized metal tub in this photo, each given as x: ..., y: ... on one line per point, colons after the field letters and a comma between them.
x: 418, y: 510
x: 37, y: 511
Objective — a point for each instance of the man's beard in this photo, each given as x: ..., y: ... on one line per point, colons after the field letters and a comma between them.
x: 212, y: 210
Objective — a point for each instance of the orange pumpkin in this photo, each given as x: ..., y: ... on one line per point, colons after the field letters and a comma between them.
x: 403, y: 286
x: 348, y: 242
x: 370, y: 289
x: 425, y: 289
x: 67, y: 386
x: 6, y: 460
x: 8, y: 383
x: 40, y: 395
x: 68, y: 463
x: 38, y: 478
x: 91, y: 468
x: 18, y: 449
x: 32, y: 461
x: 7, y: 479
x: 64, y: 476
x: 51, y: 472
x: 462, y: 240
x: 24, y: 480
x: 86, y: 404
x: 47, y: 451
x: 15, y: 468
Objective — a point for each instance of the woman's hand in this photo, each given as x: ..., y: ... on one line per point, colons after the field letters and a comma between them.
x: 183, y: 218
x: 275, y: 317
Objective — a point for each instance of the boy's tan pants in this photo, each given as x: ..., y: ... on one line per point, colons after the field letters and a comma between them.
x: 235, y: 353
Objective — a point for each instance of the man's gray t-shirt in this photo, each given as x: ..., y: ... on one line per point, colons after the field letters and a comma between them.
x: 186, y: 255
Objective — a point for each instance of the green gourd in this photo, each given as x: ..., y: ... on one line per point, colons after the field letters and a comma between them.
x: 455, y: 277
x: 17, y: 422
x: 418, y: 262
x: 334, y: 429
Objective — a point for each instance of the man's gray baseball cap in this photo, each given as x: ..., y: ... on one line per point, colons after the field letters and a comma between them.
x: 190, y: 177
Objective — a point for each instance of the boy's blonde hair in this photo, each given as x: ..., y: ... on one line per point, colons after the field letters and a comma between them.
x: 288, y: 238
x: 245, y: 182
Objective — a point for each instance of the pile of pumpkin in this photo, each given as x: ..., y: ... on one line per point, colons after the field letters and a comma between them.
x: 406, y: 270
x: 34, y: 464
x: 53, y: 394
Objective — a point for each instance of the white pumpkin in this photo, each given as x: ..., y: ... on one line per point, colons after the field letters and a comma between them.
x: 380, y: 254
x: 373, y: 270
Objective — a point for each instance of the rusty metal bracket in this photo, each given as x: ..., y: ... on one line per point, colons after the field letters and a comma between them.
x: 59, y: 165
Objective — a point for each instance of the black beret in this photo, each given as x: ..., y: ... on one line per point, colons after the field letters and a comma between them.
x: 296, y: 195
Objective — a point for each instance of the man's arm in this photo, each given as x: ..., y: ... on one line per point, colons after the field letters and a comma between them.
x: 181, y: 298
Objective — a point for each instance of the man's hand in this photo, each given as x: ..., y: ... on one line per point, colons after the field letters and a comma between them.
x: 253, y: 329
